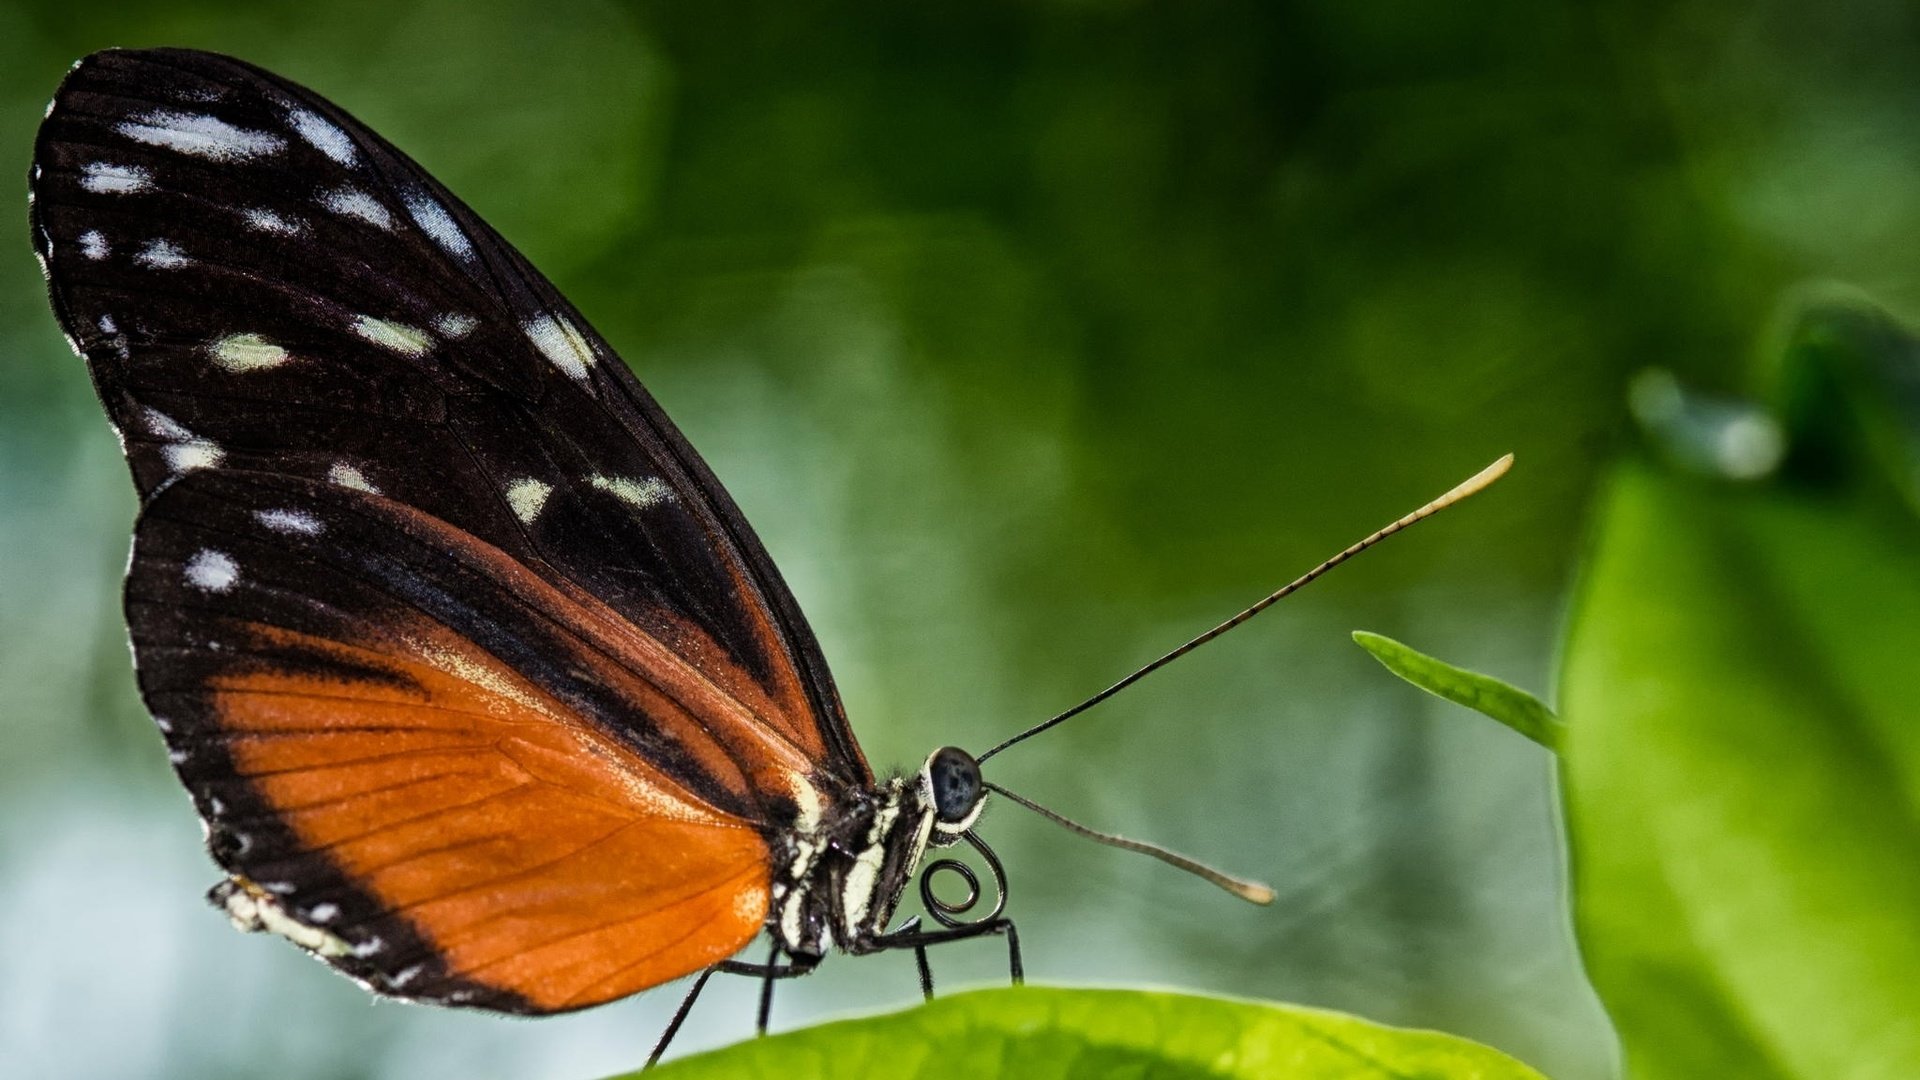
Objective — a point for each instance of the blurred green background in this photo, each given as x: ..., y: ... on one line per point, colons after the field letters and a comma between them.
x: 1033, y: 337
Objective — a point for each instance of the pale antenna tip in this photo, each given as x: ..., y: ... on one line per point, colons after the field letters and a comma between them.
x: 1253, y: 892
x: 1476, y: 483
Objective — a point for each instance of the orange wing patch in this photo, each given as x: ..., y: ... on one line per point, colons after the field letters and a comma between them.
x: 534, y: 855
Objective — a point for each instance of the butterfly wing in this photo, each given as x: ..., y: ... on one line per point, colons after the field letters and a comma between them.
x: 411, y: 751
x: 259, y: 282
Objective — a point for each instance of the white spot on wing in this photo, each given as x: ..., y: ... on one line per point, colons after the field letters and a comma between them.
x: 267, y: 221
x: 406, y: 975
x: 185, y: 451
x: 399, y: 337
x: 199, y: 135
x: 93, y: 245
x: 161, y: 255
x: 324, y: 912
x: 434, y: 220
x: 455, y: 324
x: 323, y: 136
x: 639, y: 494
x: 212, y: 571
x: 247, y: 352
x: 107, y: 325
x: 349, y: 477
x: 354, y: 203
x: 251, y: 908
x: 560, y: 342
x: 189, y: 456
x: 104, y: 179
x: 290, y: 522
x: 526, y: 496
x: 166, y: 426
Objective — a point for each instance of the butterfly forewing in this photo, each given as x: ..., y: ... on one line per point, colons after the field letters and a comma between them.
x: 259, y: 282
x: 285, y: 316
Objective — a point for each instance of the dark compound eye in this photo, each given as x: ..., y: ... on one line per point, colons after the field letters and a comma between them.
x: 956, y: 783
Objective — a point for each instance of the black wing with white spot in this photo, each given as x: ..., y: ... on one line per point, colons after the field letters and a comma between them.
x: 258, y: 282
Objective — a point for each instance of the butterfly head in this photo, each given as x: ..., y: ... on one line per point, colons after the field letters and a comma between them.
x: 951, y: 784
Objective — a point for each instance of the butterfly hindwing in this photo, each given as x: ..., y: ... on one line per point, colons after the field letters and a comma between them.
x: 407, y: 751
x: 260, y: 283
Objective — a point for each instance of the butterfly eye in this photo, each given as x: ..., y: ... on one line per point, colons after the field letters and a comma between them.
x: 955, y: 779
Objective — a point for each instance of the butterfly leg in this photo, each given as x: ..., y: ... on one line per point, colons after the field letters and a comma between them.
x: 926, y: 972
x: 767, y: 973
x: 679, y: 1016
x: 910, y: 936
x: 766, y: 993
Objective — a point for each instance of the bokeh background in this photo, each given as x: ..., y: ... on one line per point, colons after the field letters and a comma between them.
x: 1034, y: 337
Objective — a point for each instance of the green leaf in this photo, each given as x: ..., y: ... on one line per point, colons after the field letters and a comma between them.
x: 1071, y: 1034
x: 1742, y: 691
x: 1484, y: 694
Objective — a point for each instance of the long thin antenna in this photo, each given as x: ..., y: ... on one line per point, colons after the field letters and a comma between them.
x: 1475, y: 483
x: 1251, y: 891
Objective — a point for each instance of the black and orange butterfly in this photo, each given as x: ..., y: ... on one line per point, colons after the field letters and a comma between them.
x: 485, y: 690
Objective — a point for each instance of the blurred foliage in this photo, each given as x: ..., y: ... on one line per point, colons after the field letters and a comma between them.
x: 1743, y: 775
x: 1096, y: 1034
x: 1744, y: 767
x: 1033, y: 337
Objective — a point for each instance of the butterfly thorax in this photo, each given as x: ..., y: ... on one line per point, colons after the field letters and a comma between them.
x: 839, y: 882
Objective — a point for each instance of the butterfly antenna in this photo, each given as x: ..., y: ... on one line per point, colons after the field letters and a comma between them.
x: 1475, y: 483
x: 1251, y: 891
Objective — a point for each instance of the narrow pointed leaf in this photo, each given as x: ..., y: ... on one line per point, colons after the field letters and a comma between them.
x: 1484, y: 694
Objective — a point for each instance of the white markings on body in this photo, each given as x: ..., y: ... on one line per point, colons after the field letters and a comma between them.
x: 93, y: 245
x: 104, y: 179
x: 811, y: 807
x: 639, y: 494
x: 560, y: 342
x: 161, y: 255
x: 434, y: 220
x: 323, y: 136
x: 200, y: 135
x: 526, y: 496
x: 267, y: 221
x: 399, y: 337
x: 289, y: 522
x: 354, y: 203
x: 790, y: 917
x: 212, y: 571
x: 455, y: 324
x: 347, y: 476
x: 247, y: 352
x: 856, y: 897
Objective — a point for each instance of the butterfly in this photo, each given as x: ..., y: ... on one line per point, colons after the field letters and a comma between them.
x: 487, y: 694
